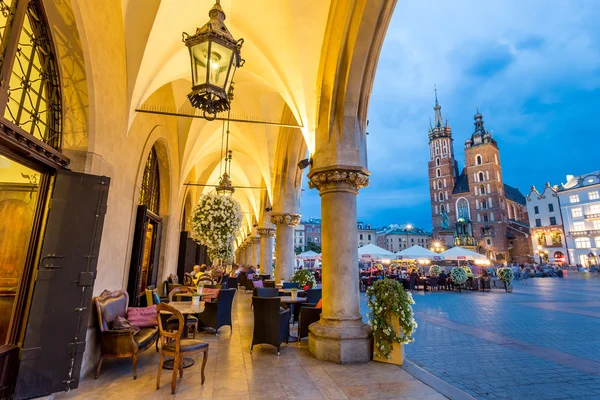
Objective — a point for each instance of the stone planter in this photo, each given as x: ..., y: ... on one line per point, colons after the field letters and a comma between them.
x: 397, y: 354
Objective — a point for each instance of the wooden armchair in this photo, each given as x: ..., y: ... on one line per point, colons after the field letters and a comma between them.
x: 120, y: 343
x: 192, y: 322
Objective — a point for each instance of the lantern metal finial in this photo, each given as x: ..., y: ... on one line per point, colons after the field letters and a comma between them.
x: 215, y: 55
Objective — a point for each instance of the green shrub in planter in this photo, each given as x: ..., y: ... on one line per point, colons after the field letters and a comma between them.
x: 435, y: 270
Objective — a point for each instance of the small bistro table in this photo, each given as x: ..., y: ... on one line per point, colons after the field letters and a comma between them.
x: 186, y: 308
x: 292, y: 302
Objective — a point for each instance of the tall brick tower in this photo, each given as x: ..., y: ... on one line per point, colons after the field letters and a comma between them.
x: 484, y: 172
x: 443, y: 171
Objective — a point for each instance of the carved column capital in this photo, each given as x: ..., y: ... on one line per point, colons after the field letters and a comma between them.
x: 286, y: 219
x: 255, y: 239
x: 339, y: 178
x: 268, y: 232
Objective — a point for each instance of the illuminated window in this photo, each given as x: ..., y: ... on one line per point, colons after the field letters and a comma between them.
x: 583, y: 243
x: 595, y: 209
x: 596, y: 224
x: 594, y: 195
x: 577, y: 212
x: 574, y: 198
x: 33, y: 102
x: 579, y: 226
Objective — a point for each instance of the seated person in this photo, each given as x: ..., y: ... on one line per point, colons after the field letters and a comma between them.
x: 195, y: 271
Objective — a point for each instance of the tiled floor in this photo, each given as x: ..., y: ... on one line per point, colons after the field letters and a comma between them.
x: 233, y: 373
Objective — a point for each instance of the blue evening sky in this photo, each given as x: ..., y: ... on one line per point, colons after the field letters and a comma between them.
x: 532, y: 67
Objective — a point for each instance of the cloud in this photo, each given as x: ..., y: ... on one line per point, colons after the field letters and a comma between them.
x: 535, y: 80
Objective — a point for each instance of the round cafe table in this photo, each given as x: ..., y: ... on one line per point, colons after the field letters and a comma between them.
x: 186, y: 308
x: 292, y: 302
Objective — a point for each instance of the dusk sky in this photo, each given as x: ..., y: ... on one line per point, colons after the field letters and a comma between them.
x: 532, y: 67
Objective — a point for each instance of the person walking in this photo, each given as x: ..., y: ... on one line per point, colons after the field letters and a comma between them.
x: 523, y: 275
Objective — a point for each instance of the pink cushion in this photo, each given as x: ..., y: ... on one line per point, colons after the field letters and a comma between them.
x: 258, y: 283
x: 212, y: 292
x: 144, y: 317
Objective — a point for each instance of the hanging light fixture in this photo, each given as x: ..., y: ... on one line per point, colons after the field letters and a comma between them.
x: 215, y: 56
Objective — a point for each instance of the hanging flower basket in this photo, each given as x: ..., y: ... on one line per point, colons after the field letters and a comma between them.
x: 391, y: 318
x: 215, y: 221
x: 505, y: 274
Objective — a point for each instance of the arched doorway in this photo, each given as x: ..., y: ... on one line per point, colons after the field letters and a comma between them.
x: 145, y: 255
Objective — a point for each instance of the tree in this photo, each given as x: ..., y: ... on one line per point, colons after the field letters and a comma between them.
x: 298, y: 250
x: 314, y: 247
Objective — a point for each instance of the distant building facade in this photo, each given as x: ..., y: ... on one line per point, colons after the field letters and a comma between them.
x: 299, y: 236
x: 366, y: 234
x: 580, y: 206
x: 396, y: 238
x: 312, y: 231
x: 475, y: 208
x: 548, y: 238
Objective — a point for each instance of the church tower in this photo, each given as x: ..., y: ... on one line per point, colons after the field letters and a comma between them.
x: 487, y: 197
x: 443, y: 172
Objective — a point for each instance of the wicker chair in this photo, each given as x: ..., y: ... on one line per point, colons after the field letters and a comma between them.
x: 271, y: 324
x: 218, y: 313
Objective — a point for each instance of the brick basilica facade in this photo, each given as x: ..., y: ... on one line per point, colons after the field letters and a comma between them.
x: 474, y: 208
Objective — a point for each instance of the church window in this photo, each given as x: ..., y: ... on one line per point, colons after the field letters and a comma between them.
x: 478, y: 218
x: 436, y: 210
x: 462, y: 209
x: 482, y: 190
x: 445, y: 183
x: 487, y: 175
x: 477, y: 204
x: 435, y: 197
x: 438, y: 173
x: 442, y: 208
x: 446, y: 195
x: 479, y: 160
x: 489, y: 188
x: 483, y: 204
x: 481, y: 178
x: 439, y: 184
x: 482, y: 231
x: 437, y: 161
x: 434, y: 185
x: 150, y: 187
x: 485, y: 218
x: 492, y: 217
x: 490, y: 202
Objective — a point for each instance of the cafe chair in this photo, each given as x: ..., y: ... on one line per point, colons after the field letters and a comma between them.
x: 232, y: 282
x: 191, y: 322
x: 176, y: 347
x: 291, y: 285
x: 218, y: 313
x: 308, y: 315
x: 271, y: 322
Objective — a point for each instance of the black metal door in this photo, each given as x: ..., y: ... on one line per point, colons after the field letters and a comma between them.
x: 137, y: 255
x: 57, y: 324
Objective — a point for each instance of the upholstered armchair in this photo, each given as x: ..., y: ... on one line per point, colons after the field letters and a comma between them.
x: 271, y: 323
x: 308, y: 315
x: 120, y: 343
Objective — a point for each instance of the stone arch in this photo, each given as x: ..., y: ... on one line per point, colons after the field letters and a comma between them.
x: 157, y: 140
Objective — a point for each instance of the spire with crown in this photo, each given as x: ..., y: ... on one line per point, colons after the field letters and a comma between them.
x: 480, y: 135
x: 439, y: 128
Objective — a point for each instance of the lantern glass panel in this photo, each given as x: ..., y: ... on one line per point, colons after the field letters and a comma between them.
x: 220, y: 58
x: 231, y: 74
x: 199, y: 53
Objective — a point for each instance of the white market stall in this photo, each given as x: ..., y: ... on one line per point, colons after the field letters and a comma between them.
x: 308, y: 259
x: 459, y: 254
x: 370, y: 252
x: 417, y: 252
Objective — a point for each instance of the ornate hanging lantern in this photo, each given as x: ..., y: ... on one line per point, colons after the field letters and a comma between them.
x: 214, y: 55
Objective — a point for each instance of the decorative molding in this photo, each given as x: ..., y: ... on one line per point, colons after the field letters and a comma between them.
x: 344, y: 178
x: 269, y: 232
x: 255, y: 239
x: 286, y: 219
x: 13, y: 137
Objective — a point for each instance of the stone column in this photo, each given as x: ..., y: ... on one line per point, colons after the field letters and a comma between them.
x: 340, y: 335
x: 266, y: 250
x: 248, y: 253
x: 284, y: 244
x: 256, y: 251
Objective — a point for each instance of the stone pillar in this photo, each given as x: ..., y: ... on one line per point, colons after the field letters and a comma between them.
x: 256, y: 251
x: 284, y: 244
x: 340, y: 335
x: 248, y: 253
x: 266, y: 250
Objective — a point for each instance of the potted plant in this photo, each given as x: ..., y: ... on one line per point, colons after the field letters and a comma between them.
x: 304, y: 277
x: 391, y: 318
x: 459, y: 277
x: 435, y: 271
x: 505, y: 274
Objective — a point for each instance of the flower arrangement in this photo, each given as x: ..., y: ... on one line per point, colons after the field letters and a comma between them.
x: 393, y: 266
x: 413, y: 267
x: 304, y: 277
x: 215, y: 221
x: 458, y: 275
x: 378, y: 267
x: 468, y: 271
x: 505, y: 274
x: 435, y: 270
x: 387, y: 299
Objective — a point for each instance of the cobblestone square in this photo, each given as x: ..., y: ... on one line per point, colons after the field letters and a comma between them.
x: 541, y: 341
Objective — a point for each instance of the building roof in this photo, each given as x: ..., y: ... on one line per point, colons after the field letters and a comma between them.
x: 576, y: 182
x: 405, y: 231
x: 462, y: 184
x: 513, y: 194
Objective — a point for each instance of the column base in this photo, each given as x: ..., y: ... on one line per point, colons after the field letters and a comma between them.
x: 341, y: 341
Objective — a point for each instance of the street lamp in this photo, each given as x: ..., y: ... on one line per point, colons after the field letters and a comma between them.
x: 214, y: 56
